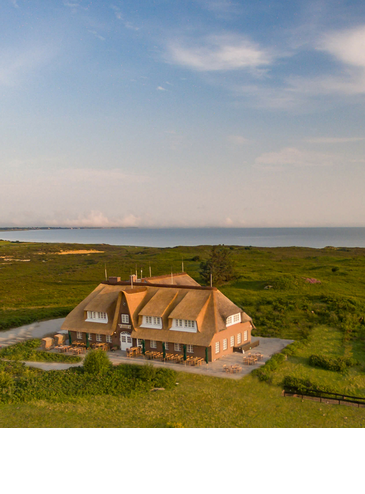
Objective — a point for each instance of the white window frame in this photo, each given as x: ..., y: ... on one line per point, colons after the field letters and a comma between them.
x: 166, y: 345
x: 231, y: 341
x: 79, y: 335
x: 186, y: 325
x: 125, y: 318
x: 93, y: 316
x: 108, y: 338
x: 245, y: 335
x: 153, y: 344
x: 190, y: 348
x: 225, y: 344
x: 90, y: 336
x: 151, y: 322
x: 239, y: 338
x: 98, y: 337
x: 234, y: 319
x: 177, y: 347
x: 139, y: 342
x: 217, y: 349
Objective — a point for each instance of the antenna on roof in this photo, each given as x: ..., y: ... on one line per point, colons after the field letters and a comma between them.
x: 141, y: 274
x: 211, y: 279
x: 105, y: 272
x: 136, y: 271
x: 150, y: 272
x: 182, y: 266
x: 172, y: 277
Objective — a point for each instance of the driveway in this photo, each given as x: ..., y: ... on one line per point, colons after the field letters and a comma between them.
x: 34, y: 330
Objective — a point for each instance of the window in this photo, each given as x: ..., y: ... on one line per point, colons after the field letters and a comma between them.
x: 190, y: 348
x: 236, y: 318
x: 98, y: 337
x: 93, y: 316
x: 139, y: 342
x: 108, y: 339
x: 245, y: 336
x: 153, y: 344
x: 217, y: 347
x: 125, y: 319
x: 177, y: 347
x: 90, y: 337
x: 225, y: 344
x: 151, y: 322
x: 79, y: 336
x: 239, y: 338
x: 184, y: 325
x: 166, y: 346
x: 231, y: 341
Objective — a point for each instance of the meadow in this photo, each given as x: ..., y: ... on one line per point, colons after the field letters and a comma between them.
x: 313, y: 296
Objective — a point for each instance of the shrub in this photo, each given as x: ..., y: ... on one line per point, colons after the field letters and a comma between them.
x: 303, y: 386
x: 264, y: 372
x: 28, y: 351
x: 97, y: 362
x: 293, y: 348
x: 337, y: 364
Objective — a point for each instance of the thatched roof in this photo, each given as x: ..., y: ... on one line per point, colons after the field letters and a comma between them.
x: 207, y: 306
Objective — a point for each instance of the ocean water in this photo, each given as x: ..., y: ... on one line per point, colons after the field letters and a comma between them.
x: 171, y: 237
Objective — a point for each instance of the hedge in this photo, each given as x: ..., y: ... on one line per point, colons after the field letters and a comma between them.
x: 337, y: 364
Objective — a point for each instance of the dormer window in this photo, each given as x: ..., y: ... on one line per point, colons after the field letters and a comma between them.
x: 235, y: 319
x: 151, y: 322
x: 101, y: 317
x: 184, y: 325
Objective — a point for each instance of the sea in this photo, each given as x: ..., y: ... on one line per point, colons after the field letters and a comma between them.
x: 172, y: 237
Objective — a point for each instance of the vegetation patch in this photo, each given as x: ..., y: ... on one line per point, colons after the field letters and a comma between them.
x: 63, y: 386
x: 264, y: 372
x: 337, y: 364
x: 28, y: 351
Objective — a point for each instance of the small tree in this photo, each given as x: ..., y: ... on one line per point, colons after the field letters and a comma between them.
x: 97, y: 362
x: 219, y: 264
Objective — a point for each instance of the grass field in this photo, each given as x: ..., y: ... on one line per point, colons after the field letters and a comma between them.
x: 327, y: 317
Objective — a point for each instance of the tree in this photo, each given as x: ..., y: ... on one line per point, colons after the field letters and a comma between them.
x: 219, y: 264
x: 97, y: 362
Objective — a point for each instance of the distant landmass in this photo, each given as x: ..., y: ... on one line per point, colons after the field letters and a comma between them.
x: 25, y: 228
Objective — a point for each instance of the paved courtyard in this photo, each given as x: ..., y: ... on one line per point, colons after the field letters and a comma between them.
x: 268, y: 346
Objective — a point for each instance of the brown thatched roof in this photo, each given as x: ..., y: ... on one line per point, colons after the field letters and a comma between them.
x: 207, y: 306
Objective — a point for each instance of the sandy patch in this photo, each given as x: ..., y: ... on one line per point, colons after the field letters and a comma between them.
x: 64, y: 252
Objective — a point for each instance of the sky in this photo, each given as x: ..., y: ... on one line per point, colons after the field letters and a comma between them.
x: 182, y: 113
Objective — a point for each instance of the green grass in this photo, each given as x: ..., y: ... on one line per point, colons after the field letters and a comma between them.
x: 328, y: 318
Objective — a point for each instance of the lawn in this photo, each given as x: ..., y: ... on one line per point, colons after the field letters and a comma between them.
x: 326, y: 317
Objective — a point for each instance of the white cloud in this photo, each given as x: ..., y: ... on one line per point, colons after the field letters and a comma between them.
x: 15, y: 4
x: 347, y: 46
x: 218, y: 53
x: 160, y: 88
x: 96, y: 219
x: 293, y: 157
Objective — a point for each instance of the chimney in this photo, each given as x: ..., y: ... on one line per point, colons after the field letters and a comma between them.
x: 132, y: 279
x: 114, y: 279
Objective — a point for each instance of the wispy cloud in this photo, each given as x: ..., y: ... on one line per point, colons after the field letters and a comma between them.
x: 219, y: 53
x: 95, y: 219
x: 333, y: 140
x: 293, y: 157
x: 237, y: 140
x: 16, y: 64
x: 15, y: 4
x: 120, y: 16
x: 97, y: 35
x: 160, y: 88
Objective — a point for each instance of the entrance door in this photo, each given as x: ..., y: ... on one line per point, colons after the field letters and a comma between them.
x: 125, y: 341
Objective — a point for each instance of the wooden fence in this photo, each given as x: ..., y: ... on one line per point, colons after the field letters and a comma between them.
x: 325, y: 397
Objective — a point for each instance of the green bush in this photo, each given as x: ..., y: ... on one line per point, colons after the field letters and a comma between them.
x: 97, y: 362
x: 263, y: 373
x: 303, y: 386
x: 293, y: 348
x: 28, y: 351
x: 337, y: 364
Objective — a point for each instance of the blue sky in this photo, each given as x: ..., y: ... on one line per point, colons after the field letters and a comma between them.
x: 182, y: 113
